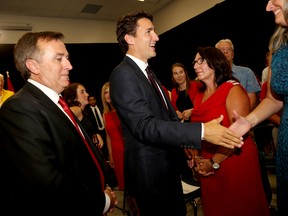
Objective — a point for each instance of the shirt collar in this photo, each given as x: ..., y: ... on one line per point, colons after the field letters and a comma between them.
x: 47, y: 91
x: 142, y: 65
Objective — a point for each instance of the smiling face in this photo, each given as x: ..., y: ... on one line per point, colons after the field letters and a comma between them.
x: 277, y: 7
x: 179, y: 75
x: 142, y: 46
x: 82, y: 96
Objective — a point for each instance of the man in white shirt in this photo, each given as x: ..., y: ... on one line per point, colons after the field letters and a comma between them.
x: 94, y: 113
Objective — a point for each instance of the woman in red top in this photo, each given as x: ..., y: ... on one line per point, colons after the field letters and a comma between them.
x: 231, y: 182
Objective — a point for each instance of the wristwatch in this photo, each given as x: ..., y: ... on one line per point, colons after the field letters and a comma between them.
x: 214, y: 164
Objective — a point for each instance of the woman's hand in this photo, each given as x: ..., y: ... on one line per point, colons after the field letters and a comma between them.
x: 186, y: 114
x: 179, y: 114
x: 203, y: 166
x: 111, y: 162
x: 101, y: 142
x: 97, y: 140
x: 190, y: 154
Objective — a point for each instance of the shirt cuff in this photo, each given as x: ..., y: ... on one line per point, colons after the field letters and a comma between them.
x: 202, y: 131
x: 107, y: 203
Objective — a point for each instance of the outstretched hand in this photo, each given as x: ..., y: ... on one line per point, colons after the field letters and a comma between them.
x: 220, y: 135
x: 241, y: 126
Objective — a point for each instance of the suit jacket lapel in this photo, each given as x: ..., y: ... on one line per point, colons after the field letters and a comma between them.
x: 141, y: 75
x: 50, y: 106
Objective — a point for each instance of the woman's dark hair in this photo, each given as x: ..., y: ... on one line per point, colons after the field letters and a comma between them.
x: 70, y: 94
x: 217, y: 61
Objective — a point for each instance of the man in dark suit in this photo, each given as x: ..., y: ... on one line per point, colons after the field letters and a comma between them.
x: 154, y: 138
x: 94, y: 113
x: 46, y: 166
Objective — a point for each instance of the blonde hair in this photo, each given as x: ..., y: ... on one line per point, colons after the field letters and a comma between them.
x: 278, y: 39
x: 107, y: 107
x: 280, y: 36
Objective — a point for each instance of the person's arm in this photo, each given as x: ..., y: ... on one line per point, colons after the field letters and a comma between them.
x: 268, y: 106
x: 253, y: 99
x: 253, y: 88
x: 109, y: 146
x: 236, y: 100
x: 173, y: 99
x: 100, y: 140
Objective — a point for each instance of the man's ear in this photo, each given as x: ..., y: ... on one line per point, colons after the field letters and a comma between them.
x: 32, y: 65
x: 129, y: 39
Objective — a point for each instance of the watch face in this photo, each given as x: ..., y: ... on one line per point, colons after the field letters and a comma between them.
x: 216, y: 166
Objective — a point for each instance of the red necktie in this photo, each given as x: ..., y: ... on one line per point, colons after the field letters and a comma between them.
x: 155, y: 85
x: 66, y: 108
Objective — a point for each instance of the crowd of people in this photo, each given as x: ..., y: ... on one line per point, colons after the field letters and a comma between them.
x: 53, y: 134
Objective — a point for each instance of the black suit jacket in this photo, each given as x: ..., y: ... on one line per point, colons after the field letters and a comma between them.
x: 45, y: 166
x: 90, y: 115
x: 153, y: 141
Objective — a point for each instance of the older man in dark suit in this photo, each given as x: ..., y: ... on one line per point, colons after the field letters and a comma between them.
x: 48, y: 163
x: 153, y: 136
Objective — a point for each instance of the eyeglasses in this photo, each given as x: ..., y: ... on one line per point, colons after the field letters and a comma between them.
x: 199, y: 61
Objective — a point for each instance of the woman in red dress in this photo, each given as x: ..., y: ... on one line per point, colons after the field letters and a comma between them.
x: 115, y: 141
x: 230, y: 178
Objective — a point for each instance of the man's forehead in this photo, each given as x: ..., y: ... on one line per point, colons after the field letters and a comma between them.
x: 224, y: 44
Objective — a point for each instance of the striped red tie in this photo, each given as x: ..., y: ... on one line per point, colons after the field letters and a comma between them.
x: 155, y: 85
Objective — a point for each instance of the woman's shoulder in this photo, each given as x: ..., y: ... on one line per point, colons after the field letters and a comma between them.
x: 77, y: 111
x: 230, y: 84
x: 235, y: 89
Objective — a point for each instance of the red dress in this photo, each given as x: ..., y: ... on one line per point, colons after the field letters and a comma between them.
x: 236, y: 188
x: 114, y: 130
